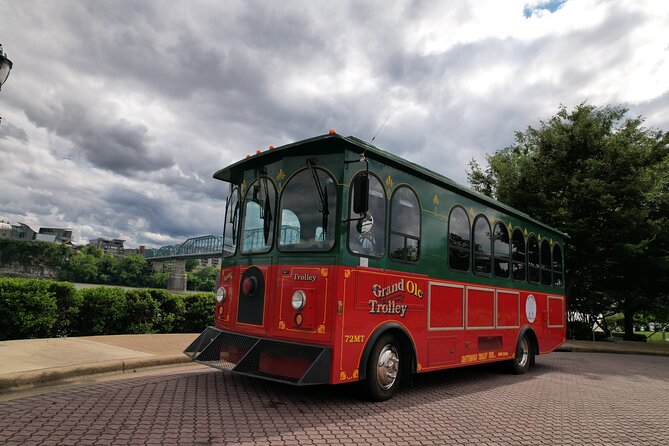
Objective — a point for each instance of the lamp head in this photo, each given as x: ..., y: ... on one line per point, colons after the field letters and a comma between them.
x: 5, y: 66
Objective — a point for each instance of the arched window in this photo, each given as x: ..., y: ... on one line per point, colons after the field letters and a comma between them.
x: 518, y: 256
x: 482, y: 246
x: 308, y: 210
x: 259, y: 216
x: 545, y: 262
x: 372, y: 242
x: 404, y: 225
x: 558, y: 279
x: 458, y: 239
x: 231, y: 222
x: 533, y: 265
x: 501, y: 250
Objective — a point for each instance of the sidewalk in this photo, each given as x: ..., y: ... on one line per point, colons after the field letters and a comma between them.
x: 35, y: 362
x: 617, y: 346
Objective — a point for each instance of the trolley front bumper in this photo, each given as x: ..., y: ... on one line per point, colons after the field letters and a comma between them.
x: 286, y: 362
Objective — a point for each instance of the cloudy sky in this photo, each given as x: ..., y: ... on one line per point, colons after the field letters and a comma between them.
x: 117, y: 113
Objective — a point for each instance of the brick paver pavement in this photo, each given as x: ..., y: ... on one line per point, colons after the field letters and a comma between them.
x: 567, y: 399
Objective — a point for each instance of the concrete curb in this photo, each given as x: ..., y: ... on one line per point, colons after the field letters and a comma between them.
x: 11, y: 381
x: 606, y: 349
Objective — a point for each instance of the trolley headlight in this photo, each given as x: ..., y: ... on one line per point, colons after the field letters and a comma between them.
x: 220, y: 295
x: 299, y: 300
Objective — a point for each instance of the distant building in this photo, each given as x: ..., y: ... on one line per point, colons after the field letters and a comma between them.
x: 131, y: 252
x: 59, y: 235
x: 109, y: 246
x: 51, y: 238
x: 5, y: 230
x: 22, y: 231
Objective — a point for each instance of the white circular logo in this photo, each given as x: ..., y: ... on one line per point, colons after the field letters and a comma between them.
x: 530, y: 308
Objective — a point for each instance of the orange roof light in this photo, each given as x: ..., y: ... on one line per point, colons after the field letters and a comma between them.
x: 258, y: 151
x: 271, y: 147
x: 332, y: 131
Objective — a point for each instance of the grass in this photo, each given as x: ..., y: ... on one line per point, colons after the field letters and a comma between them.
x: 656, y: 338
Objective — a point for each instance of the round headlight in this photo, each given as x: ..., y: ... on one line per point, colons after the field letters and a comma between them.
x: 299, y: 300
x: 220, y: 295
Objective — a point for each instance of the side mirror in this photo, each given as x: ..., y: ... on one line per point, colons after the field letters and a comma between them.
x: 361, y: 194
x: 365, y: 225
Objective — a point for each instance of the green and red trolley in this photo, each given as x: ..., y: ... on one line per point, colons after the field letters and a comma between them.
x: 344, y: 263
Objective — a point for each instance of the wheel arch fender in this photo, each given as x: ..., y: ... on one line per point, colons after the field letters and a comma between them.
x: 403, y: 336
x: 527, y: 330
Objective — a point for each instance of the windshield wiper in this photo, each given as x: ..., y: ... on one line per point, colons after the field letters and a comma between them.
x: 263, y: 202
x: 267, y: 211
x: 322, y: 193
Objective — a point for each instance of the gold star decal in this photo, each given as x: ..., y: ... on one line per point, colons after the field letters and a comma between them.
x: 281, y: 175
x: 389, y: 182
x: 435, y: 200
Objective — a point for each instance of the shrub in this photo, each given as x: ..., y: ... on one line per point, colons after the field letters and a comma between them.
x: 103, y: 311
x: 142, y: 312
x: 27, y: 308
x: 637, y: 337
x: 31, y: 308
x: 171, y: 311
x: 68, y: 303
x: 579, y: 330
x: 199, y: 312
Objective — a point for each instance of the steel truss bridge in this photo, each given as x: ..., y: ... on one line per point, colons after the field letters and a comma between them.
x: 203, y: 247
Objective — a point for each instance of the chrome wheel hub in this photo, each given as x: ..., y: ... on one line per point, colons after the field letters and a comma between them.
x: 387, y: 366
x: 523, y: 353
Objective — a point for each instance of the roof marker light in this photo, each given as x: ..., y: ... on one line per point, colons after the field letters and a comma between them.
x: 271, y: 147
x: 332, y: 131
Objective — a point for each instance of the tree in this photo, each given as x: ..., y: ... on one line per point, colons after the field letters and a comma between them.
x: 604, y: 179
x: 203, y: 279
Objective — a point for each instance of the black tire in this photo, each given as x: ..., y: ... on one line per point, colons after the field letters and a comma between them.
x: 524, y: 356
x: 384, y: 369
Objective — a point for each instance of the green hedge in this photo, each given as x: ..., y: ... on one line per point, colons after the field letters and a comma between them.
x: 33, y: 308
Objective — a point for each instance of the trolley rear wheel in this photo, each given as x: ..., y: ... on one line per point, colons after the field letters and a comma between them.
x: 524, y: 356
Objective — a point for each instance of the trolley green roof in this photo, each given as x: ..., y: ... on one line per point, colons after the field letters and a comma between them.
x: 229, y: 173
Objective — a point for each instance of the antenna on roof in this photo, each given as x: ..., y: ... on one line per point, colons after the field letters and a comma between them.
x: 379, y: 130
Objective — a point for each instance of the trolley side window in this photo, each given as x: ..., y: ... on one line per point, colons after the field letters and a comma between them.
x: 518, y: 255
x: 501, y: 249
x: 361, y: 239
x: 404, y: 225
x: 558, y: 279
x: 458, y: 239
x: 545, y: 263
x: 482, y: 246
x: 534, y: 271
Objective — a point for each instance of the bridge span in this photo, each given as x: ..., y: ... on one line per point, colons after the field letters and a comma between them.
x: 202, y: 247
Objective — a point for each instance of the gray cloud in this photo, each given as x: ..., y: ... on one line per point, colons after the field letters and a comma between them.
x: 117, y: 145
x: 9, y: 130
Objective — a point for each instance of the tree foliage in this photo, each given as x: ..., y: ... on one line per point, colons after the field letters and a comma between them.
x: 603, y: 178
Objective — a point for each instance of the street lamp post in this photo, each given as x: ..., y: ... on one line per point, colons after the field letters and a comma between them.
x: 5, y: 68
